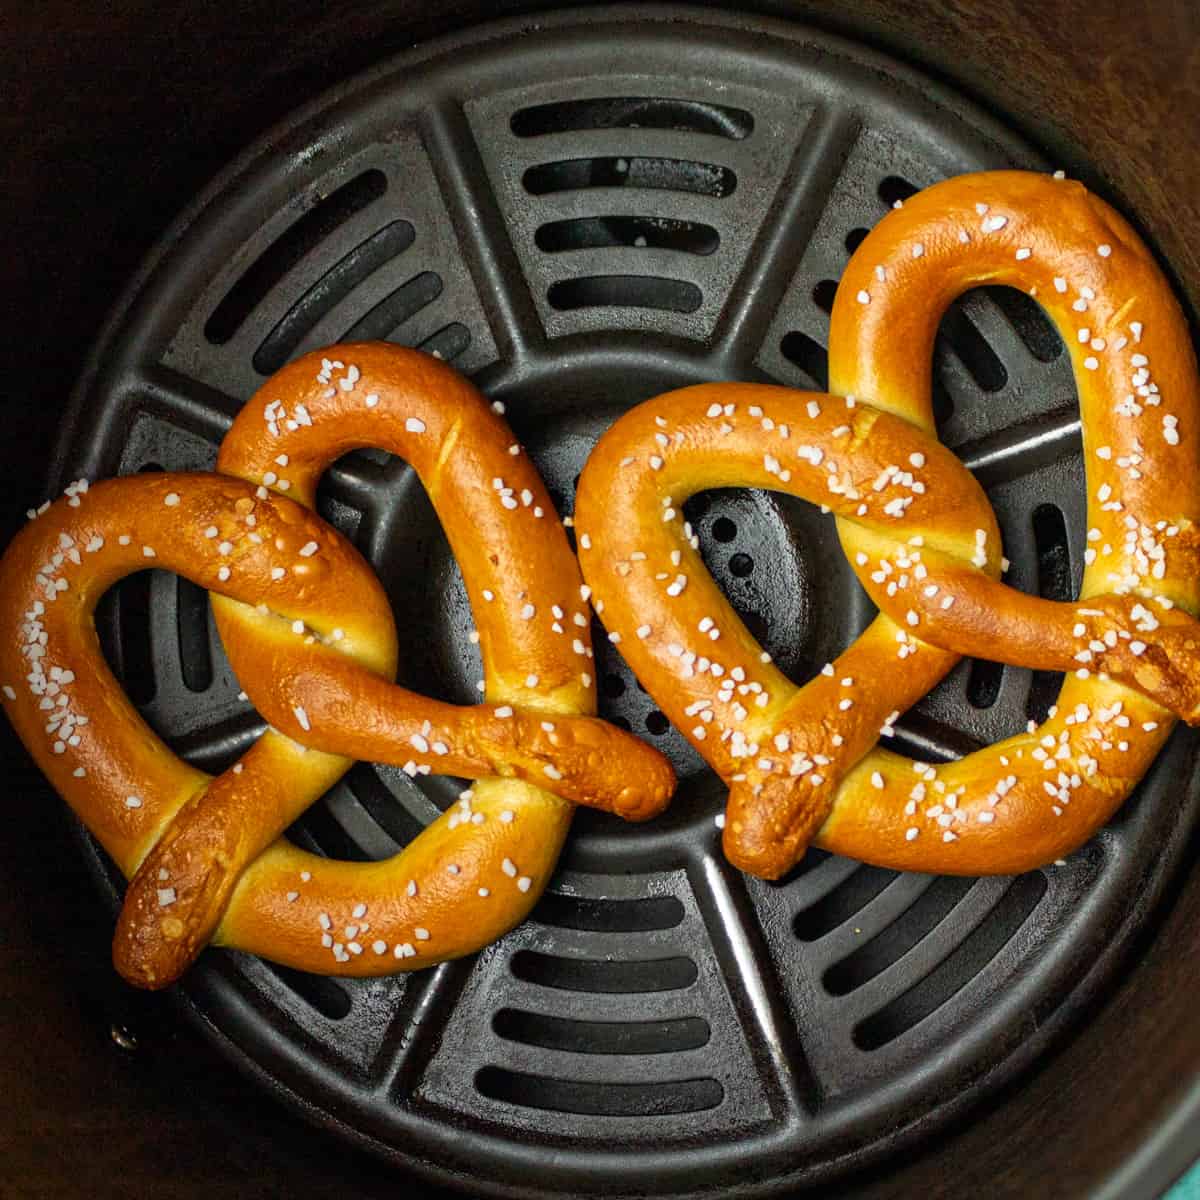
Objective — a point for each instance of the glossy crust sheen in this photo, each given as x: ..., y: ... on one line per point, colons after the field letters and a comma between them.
x: 802, y: 763
x: 309, y: 632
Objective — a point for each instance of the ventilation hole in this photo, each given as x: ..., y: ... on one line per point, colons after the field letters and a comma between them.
x: 741, y: 565
x: 633, y: 112
x: 855, y: 238
x: 599, y: 1099
x: 897, y: 939
x: 135, y: 662
x: 942, y: 403
x: 393, y: 310
x: 959, y: 335
x: 333, y: 287
x: 612, y: 685
x: 809, y: 862
x: 1054, y: 583
x: 657, y: 723
x: 657, y: 233
x: 195, y: 657
x: 608, y: 916
x: 317, y: 991
x: 601, y: 1037
x: 625, y: 291
x: 603, y: 976
x: 757, y: 624
x: 125, y: 607
x: 983, y: 683
x: 810, y: 356
x: 661, y: 174
x: 376, y: 797
x: 319, y: 827
x: 823, y: 294
x: 895, y: 188
x: 216, y: 748
x: 929, y: 740
x: 839, y: 905
x: 962, y: 965
x: 724, y: 530
x: 448, y: 343
x: 812, y: 859
x: 297, y: 241
x: 1029, y: 321
x: 1053, y: 553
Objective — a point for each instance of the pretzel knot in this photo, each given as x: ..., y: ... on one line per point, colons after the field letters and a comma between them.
x: 803, y: 763
x: 309, y: 633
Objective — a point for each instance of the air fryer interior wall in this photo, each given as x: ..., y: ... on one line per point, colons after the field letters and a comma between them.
x: 1081, y: 1136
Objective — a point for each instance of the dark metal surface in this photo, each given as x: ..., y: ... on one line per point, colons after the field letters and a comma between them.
x: 732, y: 1033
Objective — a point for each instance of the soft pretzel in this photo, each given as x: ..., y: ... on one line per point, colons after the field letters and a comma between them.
x: 802, y: 763
x: 309, y: 632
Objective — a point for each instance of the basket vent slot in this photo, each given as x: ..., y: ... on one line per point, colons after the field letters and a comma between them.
x: 809, y: 355
x: 603, y: 976
x: 333, y: 287
x: 609, y: 916
x: 670, y: 1036
x: 195, y: 655
x: 897, y: 939
x: 1032, y: 326
x: 894, y: 190
x: 1054, y: 583
x: 625, y: 291
x: 319, y: 992
x: 634, y: 171
x: 850, y: 896
x: 599, y: 1099
x: 657, y: 233
x: 953, y: 973
x: 394, y: 309
x: 633, y: 112
x: 294, y: 244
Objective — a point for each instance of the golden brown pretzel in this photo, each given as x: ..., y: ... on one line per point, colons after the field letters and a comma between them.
x: 309, y: 632
x: 802, y: 762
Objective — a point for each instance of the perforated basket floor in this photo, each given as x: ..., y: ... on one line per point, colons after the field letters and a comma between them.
x: 579, y: 213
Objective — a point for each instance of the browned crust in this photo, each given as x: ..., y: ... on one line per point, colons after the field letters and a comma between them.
x: 803, y: 764
x: 309, y: 632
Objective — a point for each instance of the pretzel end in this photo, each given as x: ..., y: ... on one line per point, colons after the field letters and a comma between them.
x: 175, y: 900
x: 769, y: 825
x: 584, y: 760
x: 153, y: 945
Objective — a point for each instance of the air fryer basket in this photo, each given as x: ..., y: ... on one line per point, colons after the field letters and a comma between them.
x: 580, y: 213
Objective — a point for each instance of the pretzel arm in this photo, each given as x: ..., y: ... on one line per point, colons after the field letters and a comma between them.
x: 357, y: 713
x: 1134, y: 639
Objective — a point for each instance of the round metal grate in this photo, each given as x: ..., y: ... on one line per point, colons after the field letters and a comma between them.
x: 581, y: 214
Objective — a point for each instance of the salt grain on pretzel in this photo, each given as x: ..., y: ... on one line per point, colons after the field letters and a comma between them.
x: 309, y: 632
x: 924, y: 543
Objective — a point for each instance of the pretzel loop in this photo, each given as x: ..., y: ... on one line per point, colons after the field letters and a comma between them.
x: 801, y: 762
x: 309, y: 632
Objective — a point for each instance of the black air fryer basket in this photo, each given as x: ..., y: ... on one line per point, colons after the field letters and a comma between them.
x: 579, y: 210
